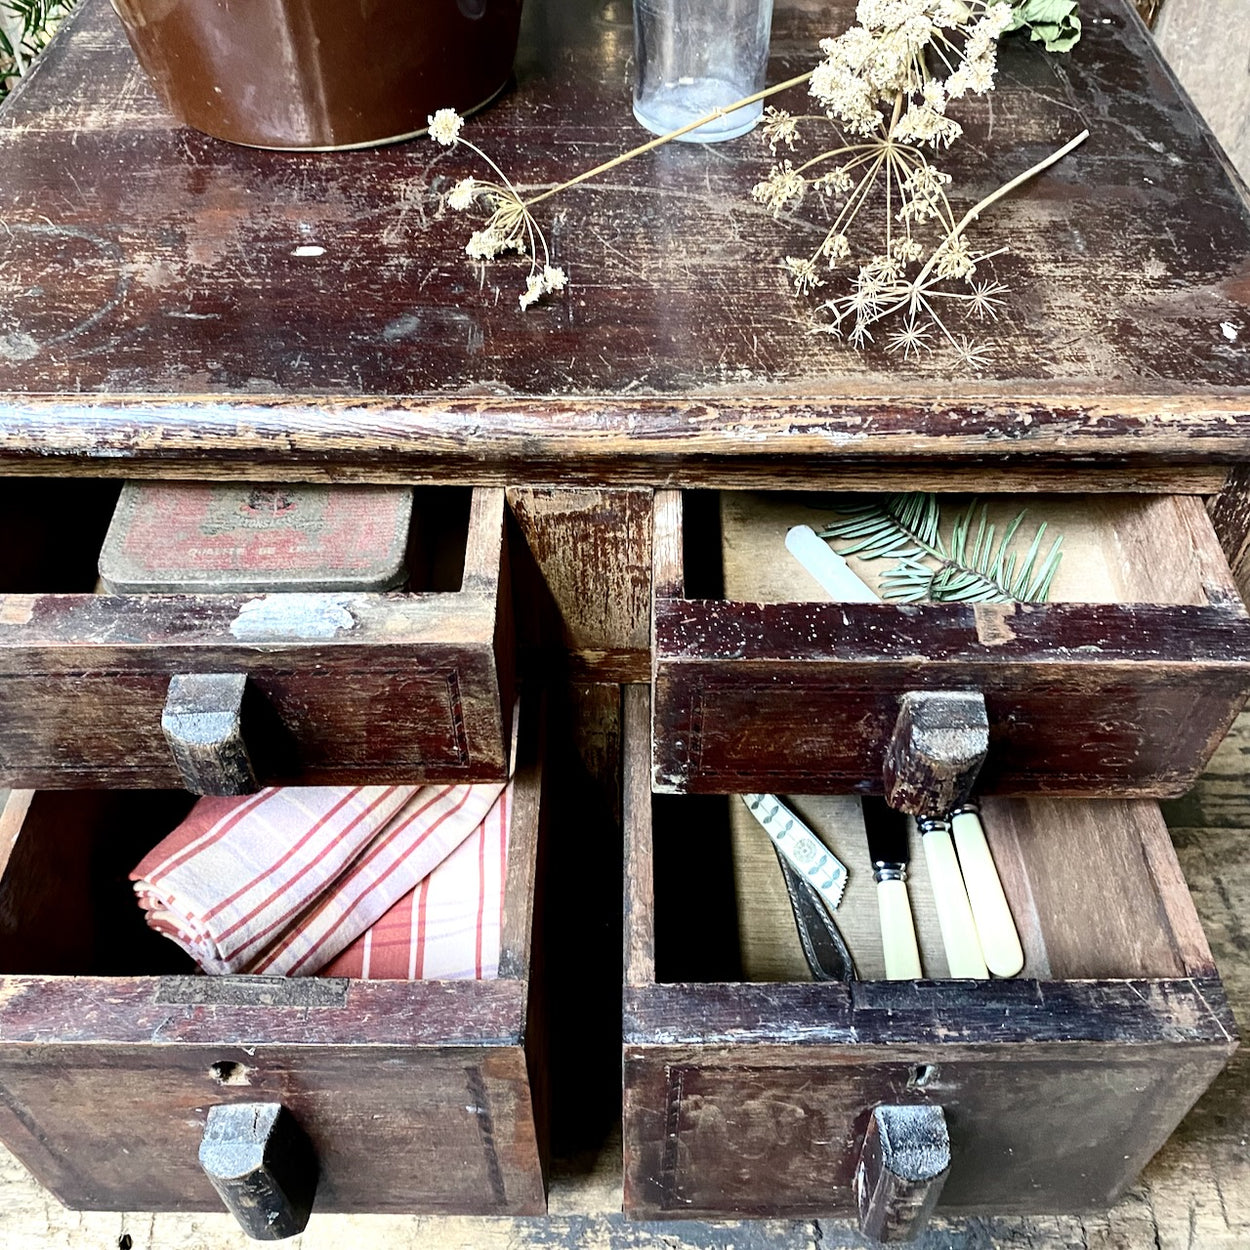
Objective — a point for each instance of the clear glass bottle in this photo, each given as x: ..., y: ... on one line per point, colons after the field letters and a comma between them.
x: 694, y: 56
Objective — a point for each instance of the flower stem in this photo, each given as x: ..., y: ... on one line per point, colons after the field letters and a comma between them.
x: 977, y: 209
x: 668, y: 138
x: 973, y: 213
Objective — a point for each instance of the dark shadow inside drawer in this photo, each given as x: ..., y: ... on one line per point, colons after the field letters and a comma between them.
x: 52, y: 531
x: 417, y: 1095
x: 1124, y: 680
x: 748, y: 1085
x: 67, y: 906
x: 378, y: 686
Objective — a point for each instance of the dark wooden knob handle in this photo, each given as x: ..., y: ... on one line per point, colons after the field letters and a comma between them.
x: 939, y: 743
x: 902, y: 1167
x: 203, y: 724
x: 262, y: 1164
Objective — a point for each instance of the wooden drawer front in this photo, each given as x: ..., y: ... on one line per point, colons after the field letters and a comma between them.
x: 773, y: 1131
x: 752, y: 1098
x: 404, y: 1128
x: 340, y: 687
x: 1083, y: 697
x: 416, y: 1095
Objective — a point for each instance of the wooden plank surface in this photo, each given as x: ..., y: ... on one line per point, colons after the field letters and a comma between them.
x: 178, y: 309
x: 589, y: 603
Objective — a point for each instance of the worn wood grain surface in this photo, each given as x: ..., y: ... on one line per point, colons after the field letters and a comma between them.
x: 164, y: 293
x: 588, y: 606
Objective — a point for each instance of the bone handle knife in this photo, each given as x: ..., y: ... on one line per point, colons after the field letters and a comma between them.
x: 959, y: 929
x: 1000, y: 943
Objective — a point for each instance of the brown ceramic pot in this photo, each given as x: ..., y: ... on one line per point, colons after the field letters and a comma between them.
x: 321, y: 73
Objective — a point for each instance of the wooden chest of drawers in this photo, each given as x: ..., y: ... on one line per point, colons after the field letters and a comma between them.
x: 172, y: 307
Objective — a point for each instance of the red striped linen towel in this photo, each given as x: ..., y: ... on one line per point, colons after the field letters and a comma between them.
x: 281, y: 881
x: 449, y: 927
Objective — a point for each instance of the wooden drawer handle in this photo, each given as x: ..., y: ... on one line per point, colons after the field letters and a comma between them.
x: 902, y: 1167
x: 940, y: 741
x: 203, y: 724
x: 262, y: 1164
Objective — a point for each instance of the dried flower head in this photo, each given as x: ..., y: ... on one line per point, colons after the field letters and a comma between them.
x: 804, y: 273
x: 779, y: 127
x: 885, y: 88
x: 462, y: 195
x: 510, y: 226
x: 445, y: 126
x: 783, y: 188
x: 539, y: 284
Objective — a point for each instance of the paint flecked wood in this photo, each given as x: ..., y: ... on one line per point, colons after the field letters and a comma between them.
x: 281, y: 309
x: 592, y: 551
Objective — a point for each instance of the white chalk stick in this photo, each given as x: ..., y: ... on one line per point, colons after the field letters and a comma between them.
x: 827, y: 567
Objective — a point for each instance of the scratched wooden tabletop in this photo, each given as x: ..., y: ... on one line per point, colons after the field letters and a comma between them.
x: 161, y: 291
x: 1194, y: 1196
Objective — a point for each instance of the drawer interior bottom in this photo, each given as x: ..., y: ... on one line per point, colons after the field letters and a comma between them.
x: 1114, y: 548
x: 1093, y: 886
x: 68, y: 907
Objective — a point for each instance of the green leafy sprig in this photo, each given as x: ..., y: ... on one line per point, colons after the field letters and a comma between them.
x: 976, y: 565
x: 1053, y: 23
x: 25, y: 28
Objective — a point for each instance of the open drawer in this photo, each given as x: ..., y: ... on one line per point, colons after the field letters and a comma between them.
x: 360, y: 687
x: 1056, y: 1087
x: 417, y: 1096
x: 1124, y: 683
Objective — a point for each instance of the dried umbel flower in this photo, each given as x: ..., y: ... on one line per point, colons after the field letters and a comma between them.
x: 884, y: 88
x: 510, y: 226
x: 445, y: 126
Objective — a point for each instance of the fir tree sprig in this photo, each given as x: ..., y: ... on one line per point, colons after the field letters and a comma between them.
x: 25, y: 28
x: 976, y: 564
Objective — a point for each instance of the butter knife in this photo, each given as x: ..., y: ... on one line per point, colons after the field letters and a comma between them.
x: 996, y: 928
x: 887, y: 848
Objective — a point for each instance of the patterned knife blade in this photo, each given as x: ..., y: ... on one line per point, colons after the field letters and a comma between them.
x: 826, y: 952
x: 803, y: 850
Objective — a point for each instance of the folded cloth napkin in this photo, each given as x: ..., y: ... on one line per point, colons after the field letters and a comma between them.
x: 281, y: 881
x: 449, y: 927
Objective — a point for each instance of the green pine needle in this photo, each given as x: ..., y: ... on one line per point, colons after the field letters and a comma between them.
x: 976, y: 567
x: 25, y: 28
